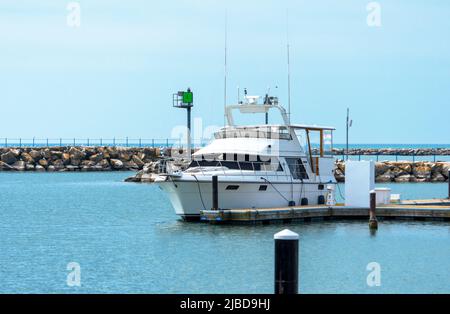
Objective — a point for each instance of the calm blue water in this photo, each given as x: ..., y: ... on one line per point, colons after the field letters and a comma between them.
x: 127, y: 239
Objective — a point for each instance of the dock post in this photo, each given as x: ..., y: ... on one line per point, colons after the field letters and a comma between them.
x: 286, y: 262
x: 373, y: 223
x: 215, y: 193
x: 448, y: 176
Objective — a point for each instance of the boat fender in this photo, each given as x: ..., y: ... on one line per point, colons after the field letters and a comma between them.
x: 321, y: 200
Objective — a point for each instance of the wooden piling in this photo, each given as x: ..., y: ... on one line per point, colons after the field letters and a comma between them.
x: 215, y: 193
x: 448, y: 176
x: 286, y: 262
x: 373, y: 223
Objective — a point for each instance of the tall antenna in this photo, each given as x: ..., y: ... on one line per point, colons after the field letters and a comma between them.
x: 288, y: 67
x: 225, y: 72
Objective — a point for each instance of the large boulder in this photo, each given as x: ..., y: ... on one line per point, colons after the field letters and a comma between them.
x: 403, y: 178
x: 72, y: 168
x: 445, y: 168
x: 87, y: 163
x: 104, y: 164
x: 58, y: 164
x: 35, y: 154
x: 4, y: 166
x: 136, y: 177
x: 96, y: 157
x: 46, y: 153
x: 9, y: 157
x: 43, y: 162
x: 401, y: 167
x: 387, y: 176
x: 422, y: 170
x: 75, y: 161
x: 130, y: 165
x: 125, y: 155
x: 112, y: 152
x: 15, y: 152
x: 39, y: 168
x: 55, y: 155
x: 437, y: 177
x: 419, y: 180
x: 116, y: 164
x: 381, y: 168
x: 138, y: 161
x: 76, y: 154
x: 19, y: 165
x: 65, y: 158
x: 27, y: 158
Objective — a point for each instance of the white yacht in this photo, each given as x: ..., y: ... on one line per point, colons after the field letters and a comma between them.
x: 258, y: 166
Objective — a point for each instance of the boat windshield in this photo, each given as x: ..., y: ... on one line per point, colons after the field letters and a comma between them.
x: 237, y: 162
x: 268, y: 132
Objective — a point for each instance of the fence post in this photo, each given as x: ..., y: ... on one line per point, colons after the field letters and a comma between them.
x: 60, y: 142
x: 126, y: 141
x: 101, y: 142
x: 47, y: 141
x: 114, y: 141
x: 286, y: 262
x: 140, y: 142
x: 20, y: 142
x: 167, y: 142
x: 87, y: 142
x: 33, y: 141
x: 153, y: 142
x: 6, y: 142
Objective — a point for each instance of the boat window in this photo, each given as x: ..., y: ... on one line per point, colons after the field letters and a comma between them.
x: 297, y: 168
x: 328, y: 142
x: 263, y: 187
x: 204, y: 163
x: 232, y: 187
x: 241, y: 165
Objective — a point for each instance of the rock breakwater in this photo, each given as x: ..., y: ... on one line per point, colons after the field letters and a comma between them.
x: 403, y: 171
x: 76, y: 158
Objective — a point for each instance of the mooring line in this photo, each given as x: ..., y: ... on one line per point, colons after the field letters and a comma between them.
x: 199, y: 191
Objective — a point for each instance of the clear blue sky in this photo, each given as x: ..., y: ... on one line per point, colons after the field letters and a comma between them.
x: 115, y: 75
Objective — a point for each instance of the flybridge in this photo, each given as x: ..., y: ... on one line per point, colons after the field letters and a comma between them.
x: 251, y: 105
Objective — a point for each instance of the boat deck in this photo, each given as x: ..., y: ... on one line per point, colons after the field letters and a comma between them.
x: 436, y: 209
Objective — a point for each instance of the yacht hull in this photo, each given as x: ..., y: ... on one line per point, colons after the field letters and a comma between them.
x: 188, y: 197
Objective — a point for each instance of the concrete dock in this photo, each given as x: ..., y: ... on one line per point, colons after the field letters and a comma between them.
x: 435, y: 209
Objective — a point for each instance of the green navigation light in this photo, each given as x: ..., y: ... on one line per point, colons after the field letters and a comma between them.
x: 188, y: 97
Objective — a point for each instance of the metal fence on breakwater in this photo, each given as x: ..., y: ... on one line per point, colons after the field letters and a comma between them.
x: 431, y: 155
x: 124, y: 142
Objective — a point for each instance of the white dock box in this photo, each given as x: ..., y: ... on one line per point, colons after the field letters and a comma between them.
x: 383, y: 196
x: 359, y: 181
